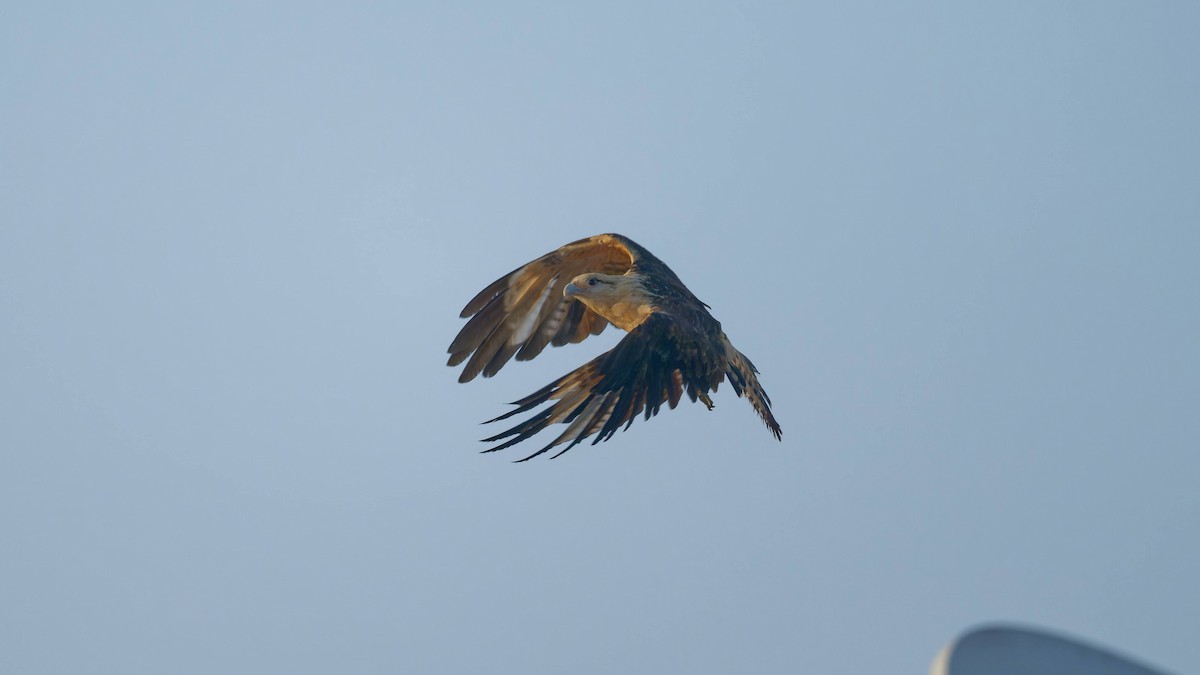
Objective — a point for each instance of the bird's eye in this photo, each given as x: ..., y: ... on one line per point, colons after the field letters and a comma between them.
x: 592, y: 281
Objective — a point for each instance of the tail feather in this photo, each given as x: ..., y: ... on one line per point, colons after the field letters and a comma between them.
x: 743, y: 377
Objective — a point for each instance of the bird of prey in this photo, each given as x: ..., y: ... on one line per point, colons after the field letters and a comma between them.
x: 673, y: 344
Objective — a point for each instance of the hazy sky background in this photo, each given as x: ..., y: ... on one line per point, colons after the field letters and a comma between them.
x: 960, y: 241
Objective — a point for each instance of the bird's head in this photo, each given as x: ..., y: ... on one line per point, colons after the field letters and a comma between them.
x: 620, y: 298
x: 595, y: 288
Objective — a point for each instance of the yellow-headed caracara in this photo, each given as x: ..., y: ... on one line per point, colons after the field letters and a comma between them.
x: 673, y: 344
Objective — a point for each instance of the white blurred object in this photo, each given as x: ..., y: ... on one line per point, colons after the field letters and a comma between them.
x: 1009, y: 650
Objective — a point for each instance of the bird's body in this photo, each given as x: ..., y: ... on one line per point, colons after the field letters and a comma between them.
x: 674, y: 345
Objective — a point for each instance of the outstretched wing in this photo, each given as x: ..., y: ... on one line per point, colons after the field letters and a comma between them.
x: 654, y: 364
x: 523, y: 311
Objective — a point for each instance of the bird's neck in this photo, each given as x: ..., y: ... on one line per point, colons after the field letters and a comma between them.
x: 626, y: 315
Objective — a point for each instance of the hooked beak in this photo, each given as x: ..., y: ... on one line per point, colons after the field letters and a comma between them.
x: 571, y: 291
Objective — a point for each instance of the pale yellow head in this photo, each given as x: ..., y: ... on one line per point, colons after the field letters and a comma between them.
x: 620, y: 298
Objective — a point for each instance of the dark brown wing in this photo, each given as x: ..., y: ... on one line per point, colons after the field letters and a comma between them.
x: 654, y: 364
x: 523, y: 311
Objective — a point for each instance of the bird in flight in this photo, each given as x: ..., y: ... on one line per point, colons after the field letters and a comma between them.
x: 673, y: 344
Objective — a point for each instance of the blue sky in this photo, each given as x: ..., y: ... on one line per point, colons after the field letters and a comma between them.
x: 959, y: 241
